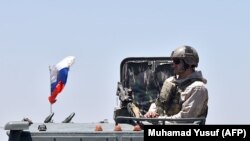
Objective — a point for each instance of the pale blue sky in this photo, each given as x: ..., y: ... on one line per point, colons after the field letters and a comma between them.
x: 100, y: 34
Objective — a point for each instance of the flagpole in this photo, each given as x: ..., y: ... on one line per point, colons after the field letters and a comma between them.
x: 51, y: 108
x: 50, y: 89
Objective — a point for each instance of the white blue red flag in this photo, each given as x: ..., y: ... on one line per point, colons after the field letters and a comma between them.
x: 58, y: 77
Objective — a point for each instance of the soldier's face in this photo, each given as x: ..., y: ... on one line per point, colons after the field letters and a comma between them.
x: 178, y: 66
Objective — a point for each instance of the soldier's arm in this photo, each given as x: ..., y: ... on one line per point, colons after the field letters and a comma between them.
x: 151, y: 112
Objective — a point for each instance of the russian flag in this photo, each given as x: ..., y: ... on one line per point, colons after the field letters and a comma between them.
x: 58, y: 77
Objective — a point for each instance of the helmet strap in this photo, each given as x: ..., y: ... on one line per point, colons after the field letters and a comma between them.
x: 185, y: 65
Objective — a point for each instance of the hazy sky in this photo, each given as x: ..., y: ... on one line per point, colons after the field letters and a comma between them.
x: 100, y: 34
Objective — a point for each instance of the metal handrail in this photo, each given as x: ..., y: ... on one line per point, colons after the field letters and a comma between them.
x: 199, y: 121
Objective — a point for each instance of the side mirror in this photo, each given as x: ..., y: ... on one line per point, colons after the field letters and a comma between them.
x: 49, y: 118
x: 69, y: 118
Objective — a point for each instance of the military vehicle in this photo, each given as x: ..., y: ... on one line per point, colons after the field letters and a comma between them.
x: 141, y: 79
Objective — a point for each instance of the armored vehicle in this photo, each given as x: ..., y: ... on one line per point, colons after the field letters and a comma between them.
x: 141, y: 79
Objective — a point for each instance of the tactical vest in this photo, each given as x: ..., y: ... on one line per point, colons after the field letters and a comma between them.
x: 169, y: 103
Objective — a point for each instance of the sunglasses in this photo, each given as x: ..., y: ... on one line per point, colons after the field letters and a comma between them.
x: 176, y: 61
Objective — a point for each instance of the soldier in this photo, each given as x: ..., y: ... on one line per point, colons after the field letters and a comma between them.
x: 183, y: 95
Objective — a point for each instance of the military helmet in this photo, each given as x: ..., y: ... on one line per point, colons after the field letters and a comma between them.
x: 188, y: 54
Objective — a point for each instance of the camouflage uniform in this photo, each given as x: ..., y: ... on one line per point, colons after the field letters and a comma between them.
x: 182, y: 98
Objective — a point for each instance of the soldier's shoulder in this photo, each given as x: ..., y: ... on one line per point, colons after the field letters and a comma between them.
x: 198, y: 84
